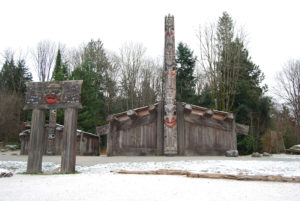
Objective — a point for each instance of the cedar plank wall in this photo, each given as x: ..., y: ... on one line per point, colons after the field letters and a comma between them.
x: 201, y: 131
x: 136, y: 135
x: 202, y: 135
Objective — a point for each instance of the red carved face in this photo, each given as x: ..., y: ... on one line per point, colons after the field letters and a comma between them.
x: 170, y: 123
x: 50, y: 99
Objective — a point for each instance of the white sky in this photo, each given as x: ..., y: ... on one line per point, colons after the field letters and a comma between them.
x: 272, y: 26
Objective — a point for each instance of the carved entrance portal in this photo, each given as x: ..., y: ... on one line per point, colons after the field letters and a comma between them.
x: 52, y: 95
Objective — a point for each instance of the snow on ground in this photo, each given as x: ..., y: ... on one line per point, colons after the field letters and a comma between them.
x: 96, y: 182
x: 287, y: 168
x: 115, y: 187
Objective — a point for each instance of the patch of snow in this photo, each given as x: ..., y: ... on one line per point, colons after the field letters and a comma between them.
x: 251, y: 167
x: 286, y: 156
x: 284, y: 167
x: 21, y: 166
x: 115, y: 187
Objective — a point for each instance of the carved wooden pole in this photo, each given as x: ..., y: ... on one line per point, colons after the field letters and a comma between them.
x: 51, y: 132
x: 68, y: 156
x: 36, y: 141
x: 170, y: 120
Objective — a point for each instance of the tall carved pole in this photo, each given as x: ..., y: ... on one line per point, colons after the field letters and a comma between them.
x: 170, y: 121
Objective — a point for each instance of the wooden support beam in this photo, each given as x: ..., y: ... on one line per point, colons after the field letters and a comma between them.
x: 208, y: 113
x: 242, y: 129
x: 112, y: 118
x: 68, y: 156
x: 151, y: 108
x: 36, y: 142
x: 229, y: 117
x: 132, y: 114
x: 211, y: 122
x: 188, y: 108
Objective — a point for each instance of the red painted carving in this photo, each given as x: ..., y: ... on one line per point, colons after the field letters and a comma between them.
x: 50, y: 99
x: 170, y: 123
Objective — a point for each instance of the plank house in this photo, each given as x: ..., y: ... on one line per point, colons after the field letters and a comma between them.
x: 170, y: 127
x: 87, y: 143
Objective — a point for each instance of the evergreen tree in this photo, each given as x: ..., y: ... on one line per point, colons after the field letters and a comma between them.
x: 251, y: 106
x: 91, y: 71
x: 185, y: 80
x: 92, y: 112
x: 60, y: 71
x: 12, y: 90
x: 14, y: 76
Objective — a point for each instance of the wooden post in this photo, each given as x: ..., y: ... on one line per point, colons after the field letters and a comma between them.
x: 68, y: 156
x: 36, y: 142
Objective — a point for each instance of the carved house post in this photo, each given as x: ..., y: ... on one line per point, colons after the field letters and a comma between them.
x: 170, y: 119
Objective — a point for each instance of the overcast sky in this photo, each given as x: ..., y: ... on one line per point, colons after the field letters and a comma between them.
x: 272, y: 27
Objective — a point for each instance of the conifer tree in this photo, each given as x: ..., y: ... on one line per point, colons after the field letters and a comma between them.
x: 185, y: 79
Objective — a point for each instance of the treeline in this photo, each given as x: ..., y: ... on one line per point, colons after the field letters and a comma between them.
x: 222, y: 77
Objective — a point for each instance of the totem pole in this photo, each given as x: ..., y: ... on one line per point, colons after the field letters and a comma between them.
x: 170, y: 120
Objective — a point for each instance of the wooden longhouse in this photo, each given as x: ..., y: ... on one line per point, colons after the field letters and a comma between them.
x: 201, y: 131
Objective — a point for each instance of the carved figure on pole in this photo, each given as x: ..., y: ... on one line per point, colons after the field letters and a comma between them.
x: 170, y: 119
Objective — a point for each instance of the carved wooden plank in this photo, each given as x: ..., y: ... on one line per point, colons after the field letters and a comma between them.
x: 242, y: 129
x: 52, y: 95
x: 68, y: 157
x: 180, y: 128
x: 36, y: 142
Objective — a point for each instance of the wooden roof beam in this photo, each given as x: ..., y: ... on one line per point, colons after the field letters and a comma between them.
x: 132, y: 114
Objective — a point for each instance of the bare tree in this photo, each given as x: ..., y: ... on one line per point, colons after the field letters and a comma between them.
x: 289, y: 89
x: 111, y: 80
x: 131, y: 61
x: 220, y: 57
x: 209, y: 57
x: 150, y: 82
x: 44, y: 59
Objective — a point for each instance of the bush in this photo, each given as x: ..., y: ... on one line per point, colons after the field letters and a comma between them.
x: 245, y: 144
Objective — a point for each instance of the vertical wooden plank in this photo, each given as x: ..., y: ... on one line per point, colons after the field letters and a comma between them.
x: 234, y: 140
x: 36, y: 141
x: 68, y: 157
x: 109, y: 139
x: 159, y: 129
x: 186, y: 136
x: 180, y: 128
